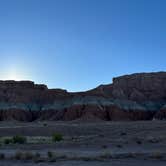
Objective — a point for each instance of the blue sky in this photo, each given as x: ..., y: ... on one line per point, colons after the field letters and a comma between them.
x: 79, y: 44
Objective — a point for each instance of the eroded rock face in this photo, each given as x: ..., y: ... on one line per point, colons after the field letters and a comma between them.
x: 130, y: 97
x: 118, y: 114
x: 141, y: 87
x: 161, y: 114
x: 14, y: 114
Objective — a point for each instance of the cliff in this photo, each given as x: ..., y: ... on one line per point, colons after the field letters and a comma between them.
x: 140, y: 96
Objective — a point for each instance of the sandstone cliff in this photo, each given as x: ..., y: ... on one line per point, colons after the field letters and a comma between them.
x: 140, y: 96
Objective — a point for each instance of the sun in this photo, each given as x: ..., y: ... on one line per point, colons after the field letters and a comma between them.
x: 14, y: 74
x: 17, y: 73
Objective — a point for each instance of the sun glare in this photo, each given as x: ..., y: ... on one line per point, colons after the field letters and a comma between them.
x: 16, y: 75
x: 13, y: 76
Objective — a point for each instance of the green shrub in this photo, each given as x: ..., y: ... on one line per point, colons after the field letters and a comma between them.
x: 19, y: 139
x: 50, y: 154
x: 8, y: 141
x: 57, y: 137
x: 37, y: 158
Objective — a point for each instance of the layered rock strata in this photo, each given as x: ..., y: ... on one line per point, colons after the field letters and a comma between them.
x: 140, y: 96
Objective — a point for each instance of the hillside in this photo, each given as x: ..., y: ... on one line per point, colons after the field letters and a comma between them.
x: 140, y: 96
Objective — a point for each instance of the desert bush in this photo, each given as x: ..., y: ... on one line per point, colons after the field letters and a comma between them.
x: 2, y: 156
x: 37, y: 158
x: 28, y: 156
x: 101, y: 135
x: 44, y: 124
x: 7, y: 141
x: 24, y: 156
x: 104, y: 146
x: 153, y: 140
x: 156, y: 155
x: 50, y: 154
x: 105, y: 155
x: 37, y: 155
x: 53, y: 157
x: 57, y: 137
x: 119, y: 146
x: 123, y: 133
x: 18, y: 155
x: 86, y: 158
x: 139, y: 142
x: 19, y: 139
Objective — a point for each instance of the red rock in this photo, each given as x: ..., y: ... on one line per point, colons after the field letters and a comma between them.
x: 26, y: 101
x: 117, y: 114
x: 14, y: 114
x: 161, y: 114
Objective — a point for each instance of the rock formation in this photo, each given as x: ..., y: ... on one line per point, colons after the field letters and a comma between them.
x: 140, y: 96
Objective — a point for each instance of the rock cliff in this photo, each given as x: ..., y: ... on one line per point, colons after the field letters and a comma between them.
x: 140, y: 96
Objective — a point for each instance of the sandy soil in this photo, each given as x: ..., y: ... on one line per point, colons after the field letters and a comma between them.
x: 128, y: 143
x: 124, y: 162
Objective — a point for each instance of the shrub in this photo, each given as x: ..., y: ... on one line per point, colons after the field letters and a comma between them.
x: 50, y: 154
x: 153, y: 140
x: 119, y: 146
x: 37, y: 155
x: 139, y: 142
x: 2, y: 156
x: 28, y: 156
x: 37, y: 158
x: 156, y: 155
x: 105, y: 155
x: 44, y: 124
x: 23, y: 156
x: 19, y: 139
x: 123, y: 133
x: 101, y: 135
x: 104, y: 146
x: 8, y: 141
x: 57, y: 137
x: 18, y: 155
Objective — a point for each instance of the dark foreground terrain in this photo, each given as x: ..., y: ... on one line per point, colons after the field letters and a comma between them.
x: 84, y: 144
x: 124, y: 162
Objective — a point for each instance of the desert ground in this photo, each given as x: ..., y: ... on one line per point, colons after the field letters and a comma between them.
x: 84, y: 143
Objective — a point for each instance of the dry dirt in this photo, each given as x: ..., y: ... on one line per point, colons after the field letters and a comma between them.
x: 126, y: 143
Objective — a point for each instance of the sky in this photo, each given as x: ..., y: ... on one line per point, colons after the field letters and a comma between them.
x: 80, y: 44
